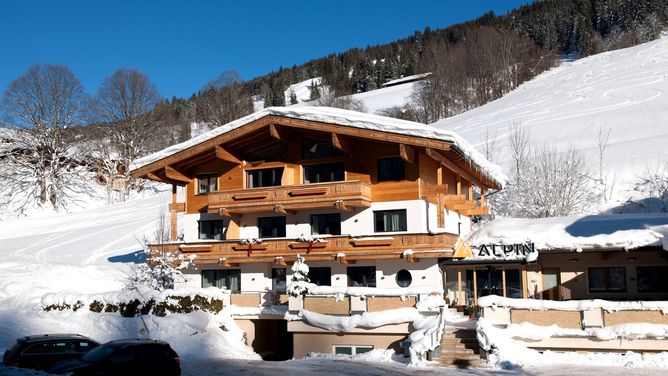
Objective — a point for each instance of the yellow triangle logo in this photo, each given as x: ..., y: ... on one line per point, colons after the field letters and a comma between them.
x: 462, y: 249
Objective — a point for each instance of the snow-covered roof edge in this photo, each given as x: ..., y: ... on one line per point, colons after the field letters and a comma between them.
x: 345, y: 118
x: 602, y: 231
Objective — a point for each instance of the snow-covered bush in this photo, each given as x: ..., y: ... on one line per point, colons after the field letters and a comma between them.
x: 299, y: 283
x: 161, y: 271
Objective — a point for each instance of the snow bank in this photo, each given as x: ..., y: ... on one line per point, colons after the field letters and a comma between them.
x: 493, y: 301
x: 504, y: 352
x: 345, y: 118
x: 364, y: 320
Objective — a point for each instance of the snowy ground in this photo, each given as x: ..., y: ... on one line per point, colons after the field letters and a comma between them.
x: 623, y: 92
x: 342, y: 366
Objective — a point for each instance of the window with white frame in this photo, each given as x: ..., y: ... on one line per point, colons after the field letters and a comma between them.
x: 351, y: 349
x: 390, y: 220
x: 224, y: 278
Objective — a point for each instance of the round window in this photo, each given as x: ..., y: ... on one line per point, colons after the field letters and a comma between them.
x: 404, y: 278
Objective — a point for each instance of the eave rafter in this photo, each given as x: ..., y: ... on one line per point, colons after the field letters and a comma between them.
x: 407, y: 153
x: 342, y: 143
x: 437, y: 156
x: 225, y: 155
x: 174, y: 174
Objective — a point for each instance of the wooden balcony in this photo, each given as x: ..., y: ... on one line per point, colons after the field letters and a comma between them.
x: 342, y: 249
x: 341, y: 195
x: 464, y: 206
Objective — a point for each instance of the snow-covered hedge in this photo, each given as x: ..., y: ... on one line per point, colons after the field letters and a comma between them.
x: 130, y: 303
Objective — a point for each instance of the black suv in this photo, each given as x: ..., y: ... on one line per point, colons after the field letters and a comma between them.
x: 124, y: 356
x: 41, y: 351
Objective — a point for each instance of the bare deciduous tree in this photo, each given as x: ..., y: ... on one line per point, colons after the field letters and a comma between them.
x: 224, y: 100
x: 125, y: 102
x: 329, y: 99
x: 43, y: 106
x: 546, y: 183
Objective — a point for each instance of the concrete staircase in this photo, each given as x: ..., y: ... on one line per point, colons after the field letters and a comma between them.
x: 459, y: 347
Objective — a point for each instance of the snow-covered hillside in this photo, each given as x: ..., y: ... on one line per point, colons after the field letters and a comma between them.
x: 623, y: 91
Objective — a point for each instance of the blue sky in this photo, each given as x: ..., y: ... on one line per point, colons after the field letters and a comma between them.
x: 181, y: 45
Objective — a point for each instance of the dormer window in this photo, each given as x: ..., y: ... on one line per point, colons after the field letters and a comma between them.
x: 207, y: 183
x: 391, y: 169
x: 319, y: 149
x: 323, y: 173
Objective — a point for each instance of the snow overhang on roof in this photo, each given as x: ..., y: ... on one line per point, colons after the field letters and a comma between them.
x: 577, y: 233
x: 345, y: 118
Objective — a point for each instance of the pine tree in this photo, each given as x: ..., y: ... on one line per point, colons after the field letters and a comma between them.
x: 293, y: 97
x: 315, y: 91
x: 299, y: 283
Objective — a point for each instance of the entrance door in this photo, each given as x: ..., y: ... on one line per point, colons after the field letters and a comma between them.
x: 489, y: 281
x: 551, y: 282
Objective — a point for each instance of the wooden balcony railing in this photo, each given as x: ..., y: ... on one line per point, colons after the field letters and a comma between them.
x: 340, y: 195
x: 343, y: 249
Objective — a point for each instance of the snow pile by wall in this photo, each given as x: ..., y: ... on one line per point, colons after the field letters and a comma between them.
x: 504, y: 352
x: 493, y: 301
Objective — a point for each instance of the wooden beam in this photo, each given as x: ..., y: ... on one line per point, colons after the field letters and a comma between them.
x: 224, y: 262
x: 174, y: 174
x: 342, y: 206
x: 153, y: 177
x: 280, y: 261
x: 278, y: 208
x: 273, y: 132
x: 344, y: 260
x: 407, y: 153
x: 435, y: 155
x: 342, y: 143
x: 225, y: 155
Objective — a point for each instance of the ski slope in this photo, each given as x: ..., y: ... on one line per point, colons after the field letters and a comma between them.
x: 623, y: 92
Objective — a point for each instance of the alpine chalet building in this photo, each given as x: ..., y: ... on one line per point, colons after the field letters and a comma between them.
x: 371, y: 203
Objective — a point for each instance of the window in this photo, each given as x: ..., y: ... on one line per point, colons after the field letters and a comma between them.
x: 391, y: 169
x: 211, y: 230
x: 404, y: 278
x: 362, y: 276
x: 319, y: 149
x: 652, y: 278
x: 266, y: 177
x: 326, y: 224
x: 227, y: 278
x: 51, y: 348
x: 271, y: 227
x: 607, y: 279
x: 352, y: 350
x: 207, y: 183
x: 270, y: 153
x: 278, y: 279
x: 322, y: 173
x: 390, y: 220
x: 321, y: 276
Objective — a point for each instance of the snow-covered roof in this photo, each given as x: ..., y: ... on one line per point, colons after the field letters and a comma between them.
x: 345, y: 118
x: 618, y: 231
